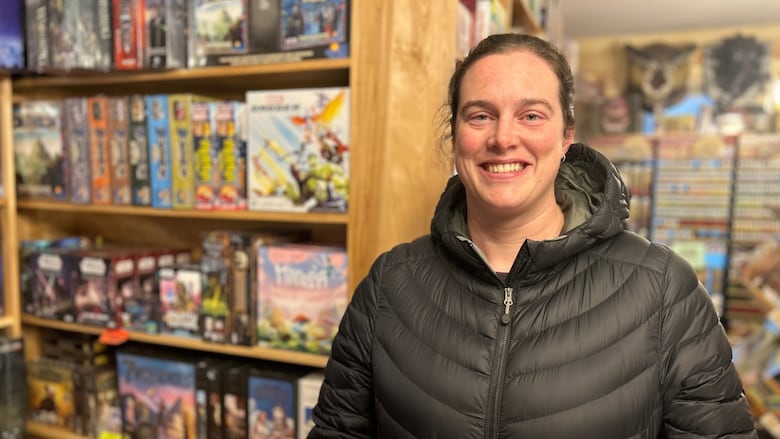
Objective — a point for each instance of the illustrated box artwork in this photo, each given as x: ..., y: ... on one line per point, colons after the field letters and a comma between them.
x: 298, y: 149
x: 302, y: 294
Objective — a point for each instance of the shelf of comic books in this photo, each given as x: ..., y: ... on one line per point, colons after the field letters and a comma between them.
x: 192, y: 344
x: 218, y: 79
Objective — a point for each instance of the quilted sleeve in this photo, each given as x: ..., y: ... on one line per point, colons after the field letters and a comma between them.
x: 345, y: 408
x: 702, y: 392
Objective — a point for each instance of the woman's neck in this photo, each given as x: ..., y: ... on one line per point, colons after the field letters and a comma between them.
x: 500, y: 240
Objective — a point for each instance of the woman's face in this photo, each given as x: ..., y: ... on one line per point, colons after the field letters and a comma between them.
x: 509, y: 134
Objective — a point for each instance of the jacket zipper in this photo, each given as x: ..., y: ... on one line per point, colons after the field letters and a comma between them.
x: 499, y: 367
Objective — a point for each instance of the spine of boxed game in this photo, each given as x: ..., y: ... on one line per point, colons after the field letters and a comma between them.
x: 138, y: 151
x: 99, y: 153
x: 76, y: 138
x: 118, y: 126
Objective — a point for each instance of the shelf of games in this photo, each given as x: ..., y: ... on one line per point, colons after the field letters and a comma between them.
x: 278, y: 355
x: 380, y: 178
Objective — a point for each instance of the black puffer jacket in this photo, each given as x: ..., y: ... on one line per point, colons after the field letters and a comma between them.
x: 605, y: 335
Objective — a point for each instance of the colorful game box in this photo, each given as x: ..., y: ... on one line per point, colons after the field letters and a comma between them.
x: 138, y: 152
x: 307, y: 24
x: 181, y: 289
x: 272, y: 405
x: 308, y: 392
x: 118, y: 125
x: 36, y: 19
x: 99, y: 152
x: 182, y: 151
x: 12, y: 35
x: 238, y: 32
x: 75, y: 133
x: 140, y: 306
x: 157, y: 395
x: 129, y: 38
x: 205, y: 159
x: 234, y: 401
x: 298, y: 149
x: 39, y: 154
x: 158, y: 138
x: 165, y: 29
x: 50, y: 393
x: 231, y: 156
x: 13, y: 398
x: 52, y: 277
x: 301, y: 295
x: 103, y: 278
x: 219, y: 29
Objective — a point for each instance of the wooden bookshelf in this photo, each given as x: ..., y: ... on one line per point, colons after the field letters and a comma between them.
x: 6, y: 322
x: 193, y: 344
x: 42, y: 431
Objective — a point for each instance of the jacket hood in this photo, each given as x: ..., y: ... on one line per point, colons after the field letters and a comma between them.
x: 590, y: 192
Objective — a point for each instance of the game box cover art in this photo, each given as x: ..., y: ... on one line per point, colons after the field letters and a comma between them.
x: 12, y: 35
x: 157, y: 396
x: 39, y: 154
x: 220, y: 27
x: 313, y: 23
x: 271, y: 406
x: 298, y: 149
x: 301, y: 296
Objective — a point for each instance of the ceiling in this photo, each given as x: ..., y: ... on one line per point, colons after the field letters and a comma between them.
x: 594, y: 18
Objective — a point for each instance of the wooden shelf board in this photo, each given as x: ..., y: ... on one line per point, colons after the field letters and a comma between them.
x: 37, y: 430
x: 242, y: 215
x: 6, y: 322
x: 278, y: 355
x: 316, y: 72
x: 521, y: 15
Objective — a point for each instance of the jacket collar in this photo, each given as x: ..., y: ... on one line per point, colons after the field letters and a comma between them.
x: 591, y: 194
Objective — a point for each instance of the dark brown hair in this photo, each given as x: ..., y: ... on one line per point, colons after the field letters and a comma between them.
x: 503, y: 43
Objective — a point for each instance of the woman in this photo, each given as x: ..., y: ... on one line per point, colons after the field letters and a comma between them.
x: 529, y: 312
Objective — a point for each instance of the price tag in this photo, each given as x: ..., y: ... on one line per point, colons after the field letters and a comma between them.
x: 114, y: 337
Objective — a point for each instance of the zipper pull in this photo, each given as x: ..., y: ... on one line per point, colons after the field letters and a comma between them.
x: 507, y: 305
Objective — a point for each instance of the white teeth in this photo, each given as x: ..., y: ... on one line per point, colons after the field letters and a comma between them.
x: 505, y: 167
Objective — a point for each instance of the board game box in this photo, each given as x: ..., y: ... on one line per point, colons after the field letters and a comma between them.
x: 117, y: 129
x: 50, y: 398
x: 238, y: 32
x: 99, y: 152
x: 231, y: 156
x: 138, y: 152
x: 298, y: 150
x: 76, y: 138
x: 36, y: 19
x: 13, y: 396
x: 308, y: 392
x: 272, y: 404
x: 157, y: 395
x: 165, y: 32
x: 181, y: 289
x: 129, y: 38
x: 12, y: 55
x: 301, y: 295
x: 205, y: 158
x: 39, y: 154
x: 159, y: 146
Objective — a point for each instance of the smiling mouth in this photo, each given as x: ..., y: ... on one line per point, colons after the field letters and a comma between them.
x: 504, y: 168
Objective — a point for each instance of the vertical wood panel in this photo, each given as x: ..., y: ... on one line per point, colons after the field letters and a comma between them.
x: 404, y: 53
x: 9, y: 232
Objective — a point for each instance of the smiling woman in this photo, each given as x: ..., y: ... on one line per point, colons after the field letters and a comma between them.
x: 553, y: 320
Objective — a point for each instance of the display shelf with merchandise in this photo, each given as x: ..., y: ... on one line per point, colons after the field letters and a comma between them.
x: 397, y: 84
